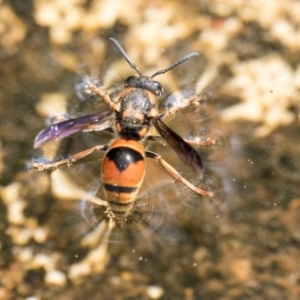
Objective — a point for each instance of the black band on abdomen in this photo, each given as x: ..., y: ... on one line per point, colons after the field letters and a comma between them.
x: 119, y: 189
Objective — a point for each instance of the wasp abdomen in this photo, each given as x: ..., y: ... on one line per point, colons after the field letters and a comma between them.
x: 123, y: 170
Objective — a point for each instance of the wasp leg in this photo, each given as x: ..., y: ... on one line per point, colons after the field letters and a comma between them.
x: 176, y: 175
x: 168, y: 113
x: 201, y: 143
x: 68, y: 161
x: 207, y: 142
x: 97, y: 91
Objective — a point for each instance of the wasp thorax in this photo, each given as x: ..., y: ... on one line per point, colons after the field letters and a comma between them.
x: 144, y: 82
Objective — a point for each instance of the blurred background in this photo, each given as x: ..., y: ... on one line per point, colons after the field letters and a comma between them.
x: 241, y: 244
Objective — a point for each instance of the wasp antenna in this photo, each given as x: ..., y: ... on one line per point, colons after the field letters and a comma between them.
x: 118, y: 46
x: 175, y: 64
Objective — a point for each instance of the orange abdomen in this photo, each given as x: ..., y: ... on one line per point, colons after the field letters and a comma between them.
x: 123, y: 170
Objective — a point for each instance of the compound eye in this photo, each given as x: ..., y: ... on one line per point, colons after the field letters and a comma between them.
x: 130, y: 81
x: 158, y: 88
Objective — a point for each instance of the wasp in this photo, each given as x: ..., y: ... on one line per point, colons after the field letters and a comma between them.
x: 133, y: 114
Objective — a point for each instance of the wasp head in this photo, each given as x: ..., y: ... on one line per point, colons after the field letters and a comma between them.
x: 144, y: 82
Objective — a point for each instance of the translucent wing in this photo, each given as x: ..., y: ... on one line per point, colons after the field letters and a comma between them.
x: 185, y: 151
x: 66, y: 128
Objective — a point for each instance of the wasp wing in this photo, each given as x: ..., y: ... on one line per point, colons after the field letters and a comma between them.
x: 185, y: 151
x: 66, y: 128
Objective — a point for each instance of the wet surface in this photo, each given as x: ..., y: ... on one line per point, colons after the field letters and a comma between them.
x: 243, y: 243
